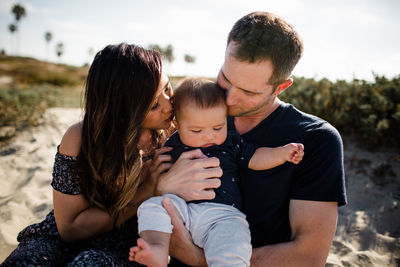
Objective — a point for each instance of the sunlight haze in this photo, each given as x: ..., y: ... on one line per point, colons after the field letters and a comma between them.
x: 342, y: 39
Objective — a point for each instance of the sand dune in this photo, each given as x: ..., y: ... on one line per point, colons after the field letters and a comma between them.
x: 25, y: 175
x: 368, y: 231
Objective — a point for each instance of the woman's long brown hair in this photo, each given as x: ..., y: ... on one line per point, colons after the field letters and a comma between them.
x: 120, y: 88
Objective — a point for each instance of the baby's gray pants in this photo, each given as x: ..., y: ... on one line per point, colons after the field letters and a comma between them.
x: 221, y: 230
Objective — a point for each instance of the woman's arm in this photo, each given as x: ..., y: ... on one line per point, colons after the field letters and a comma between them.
x: 266, y: 157
x: 75, y: 218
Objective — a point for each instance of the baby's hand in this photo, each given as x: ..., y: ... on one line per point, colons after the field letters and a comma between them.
x: 293, y: 152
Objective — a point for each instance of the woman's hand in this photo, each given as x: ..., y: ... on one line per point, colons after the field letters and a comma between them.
x: 153, y: 168
x: 181, y: 245
x: 192, y: 177
x: 150, y: 173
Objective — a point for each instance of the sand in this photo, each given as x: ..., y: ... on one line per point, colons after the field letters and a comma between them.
x: 368, y: 232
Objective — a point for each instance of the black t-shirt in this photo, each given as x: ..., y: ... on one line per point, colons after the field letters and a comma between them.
x: 233, y: 154
x: 318, y: 177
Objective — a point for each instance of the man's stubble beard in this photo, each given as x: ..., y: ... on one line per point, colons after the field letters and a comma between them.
x: 251, y: 111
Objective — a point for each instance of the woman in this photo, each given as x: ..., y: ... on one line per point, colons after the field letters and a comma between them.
x: 99, y: 178
x: 98, y: 181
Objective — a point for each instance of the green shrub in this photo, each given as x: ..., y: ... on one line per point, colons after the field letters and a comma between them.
x: 21, y: 106
x: 369, y: 111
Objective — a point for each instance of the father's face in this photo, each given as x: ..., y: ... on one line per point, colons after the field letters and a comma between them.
x: 248, y: 92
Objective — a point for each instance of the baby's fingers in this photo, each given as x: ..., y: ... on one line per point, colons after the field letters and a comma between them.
x: 297, y: 157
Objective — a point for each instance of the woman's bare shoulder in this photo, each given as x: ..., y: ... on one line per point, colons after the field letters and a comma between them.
x: 71, y: 141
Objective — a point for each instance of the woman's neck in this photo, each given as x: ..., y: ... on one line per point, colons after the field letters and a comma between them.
x: 145, y: 143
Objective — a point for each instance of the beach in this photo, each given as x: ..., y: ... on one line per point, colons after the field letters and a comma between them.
x: 368, y: 232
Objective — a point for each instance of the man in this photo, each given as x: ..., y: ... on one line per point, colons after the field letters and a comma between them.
x: 292, y: 209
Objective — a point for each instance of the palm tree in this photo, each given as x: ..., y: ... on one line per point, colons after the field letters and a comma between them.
x: 59, y: 49
x: 190, y: 60
x: 19, y: 12
x: 167, y: 52
x: 48, y: 36
x: 12, y: 28
x: 155, y: 47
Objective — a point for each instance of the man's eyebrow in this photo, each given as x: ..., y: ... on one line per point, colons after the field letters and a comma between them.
x: 223, y: 75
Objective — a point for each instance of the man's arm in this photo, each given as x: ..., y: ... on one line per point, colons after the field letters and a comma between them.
x: 313, y: 227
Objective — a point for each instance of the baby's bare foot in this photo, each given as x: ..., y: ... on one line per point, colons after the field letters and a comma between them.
x: 152, y: 255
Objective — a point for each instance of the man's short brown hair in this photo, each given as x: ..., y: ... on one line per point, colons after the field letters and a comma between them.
x: 261, y: 36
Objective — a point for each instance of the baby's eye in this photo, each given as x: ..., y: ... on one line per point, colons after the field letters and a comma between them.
x: 195, y: 131
x: 217, y: 129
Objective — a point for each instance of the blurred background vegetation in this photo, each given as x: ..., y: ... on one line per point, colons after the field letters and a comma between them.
x: 368, y: 111
x: 29, y: 86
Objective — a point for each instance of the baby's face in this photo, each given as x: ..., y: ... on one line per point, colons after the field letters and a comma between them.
x: 202, y: 127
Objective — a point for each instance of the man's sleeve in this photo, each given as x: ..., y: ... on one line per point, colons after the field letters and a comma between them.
x: 320, y: 175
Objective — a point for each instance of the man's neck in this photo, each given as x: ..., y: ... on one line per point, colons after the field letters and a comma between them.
x: 246, y: 123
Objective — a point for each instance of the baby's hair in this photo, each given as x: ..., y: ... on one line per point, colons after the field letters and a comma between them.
x: 200, y: 92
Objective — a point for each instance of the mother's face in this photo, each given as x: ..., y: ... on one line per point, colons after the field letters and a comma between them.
x: 161, y: 114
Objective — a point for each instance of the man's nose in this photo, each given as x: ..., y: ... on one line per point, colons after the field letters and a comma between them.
x: 231, y: 96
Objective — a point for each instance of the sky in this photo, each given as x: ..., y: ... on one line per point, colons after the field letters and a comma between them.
x: 343, y: 39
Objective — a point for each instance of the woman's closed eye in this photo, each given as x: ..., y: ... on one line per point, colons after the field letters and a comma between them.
x: 217, y: 128
x: 168, y: 89
x: 196, y: 131
x: 155, y: 106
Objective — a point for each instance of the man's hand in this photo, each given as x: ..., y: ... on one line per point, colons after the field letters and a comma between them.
x: 192, y: 177
x: 181, y: 245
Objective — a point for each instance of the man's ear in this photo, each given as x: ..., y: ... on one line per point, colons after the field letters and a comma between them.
x: 283, y: 86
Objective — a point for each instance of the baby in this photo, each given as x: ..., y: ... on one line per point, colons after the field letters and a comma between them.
x: 216, y: 225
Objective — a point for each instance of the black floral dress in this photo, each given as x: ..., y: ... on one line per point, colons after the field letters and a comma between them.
x: 41, y: 245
